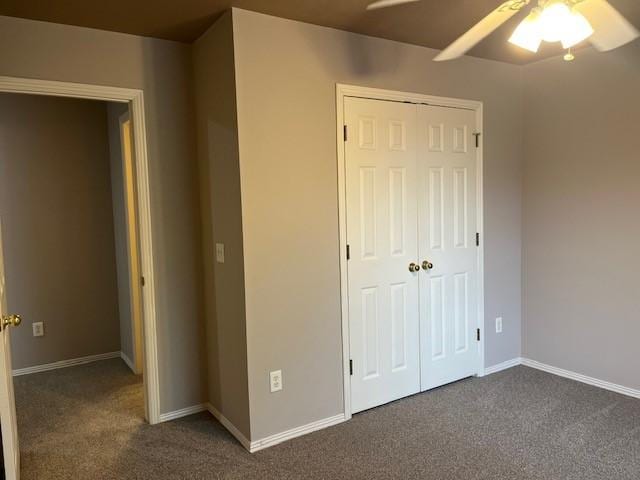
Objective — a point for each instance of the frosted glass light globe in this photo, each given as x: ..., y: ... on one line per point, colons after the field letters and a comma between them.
x: 553, y: 20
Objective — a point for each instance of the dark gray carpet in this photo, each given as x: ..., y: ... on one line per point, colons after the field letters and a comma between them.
x: 84, y: 423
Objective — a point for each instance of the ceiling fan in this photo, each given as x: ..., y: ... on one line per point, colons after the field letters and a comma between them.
x: 567, y: 21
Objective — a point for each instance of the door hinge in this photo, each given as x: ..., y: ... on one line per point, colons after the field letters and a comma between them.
x: 348, y: 252
x: 477, y: 135
x: 477, y: 239
x: 345, y: 133
x: 478, y: 334
x: 142, y: 281
x: 350, y: 367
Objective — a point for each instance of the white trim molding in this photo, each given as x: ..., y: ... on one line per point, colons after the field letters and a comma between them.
x: 578, y: 377
x: 271, y: 440
x: 226, y: 423
x: 183, y: 412
x: 343, y: 91
x: 560, y: 372
x: 135, y: 99
x: 65, y: 363
x: 66, y: 89
x: 514, y: 362
x: 296, y: 432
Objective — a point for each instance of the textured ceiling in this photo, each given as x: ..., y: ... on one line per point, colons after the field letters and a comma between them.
x: 431, y: 23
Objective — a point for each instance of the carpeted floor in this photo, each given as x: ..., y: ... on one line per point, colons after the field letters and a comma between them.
x: 85, y: 423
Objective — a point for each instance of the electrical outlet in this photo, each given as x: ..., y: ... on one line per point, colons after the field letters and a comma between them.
x: 38, y: 329
x: 220, y: 252
x: 276, y: 380
x: 499, y: 325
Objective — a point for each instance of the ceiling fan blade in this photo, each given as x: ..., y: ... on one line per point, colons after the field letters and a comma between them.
x: 611, y: 29
x: 480, y: 31
x: 388, y: 3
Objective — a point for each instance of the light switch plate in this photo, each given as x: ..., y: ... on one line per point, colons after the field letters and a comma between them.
x: 220, y: 252
x: 499, y: 325
x: 275, y: 378
x: 38, y: 329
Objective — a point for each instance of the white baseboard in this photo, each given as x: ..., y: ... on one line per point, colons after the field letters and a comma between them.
x: 65, y: 363
x: 578, y: 377
x: 183, y: 412
x: 514, y: 362
x: 581, y: 378
x: 128, y: 361
x: 278, y: 437
x: 229, y: 426
x: 296, y: 432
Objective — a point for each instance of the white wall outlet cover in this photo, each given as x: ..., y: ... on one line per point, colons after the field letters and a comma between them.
x: 275, y: 378
x: 38, y: 329
x: 499, y: 325
x: 220, y: 252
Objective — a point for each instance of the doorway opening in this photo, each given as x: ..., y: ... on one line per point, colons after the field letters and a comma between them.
x: 76, y: 271
x: 410, y: 199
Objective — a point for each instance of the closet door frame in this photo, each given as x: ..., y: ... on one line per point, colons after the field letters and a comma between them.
x: 343, y: 91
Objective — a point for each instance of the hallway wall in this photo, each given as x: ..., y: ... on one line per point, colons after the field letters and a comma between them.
x: 57, y: 226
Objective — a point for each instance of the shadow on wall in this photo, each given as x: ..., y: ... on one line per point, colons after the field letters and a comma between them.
x: 176, y: 223
x: 225, y: 289
x: 358, y: 58
x: 221, y: 214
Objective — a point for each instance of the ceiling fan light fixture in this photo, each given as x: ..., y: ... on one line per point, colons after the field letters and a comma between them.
x: 553, y: 21
x: 527, y: 35
x: 559, y: 21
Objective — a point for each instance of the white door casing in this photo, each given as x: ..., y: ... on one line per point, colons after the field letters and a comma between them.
x: 10, y: 446
x: 382, y: 239
x: 447, y: 209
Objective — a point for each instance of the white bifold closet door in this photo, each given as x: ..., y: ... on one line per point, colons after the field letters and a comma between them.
x: 447, y: 213
x: 382, y: 232
x: 411, y: 202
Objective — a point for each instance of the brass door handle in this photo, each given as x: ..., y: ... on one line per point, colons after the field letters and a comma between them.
x: 414, y: 267
x: 8, y: 320
x: 427, y: 265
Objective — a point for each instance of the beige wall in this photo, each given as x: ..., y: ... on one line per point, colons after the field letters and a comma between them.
x: 58, y: 237
x: 114, y: 111
x: 163, y: 70
x: 581, y: 197
x: 222, y: 223
x: 286, y: 73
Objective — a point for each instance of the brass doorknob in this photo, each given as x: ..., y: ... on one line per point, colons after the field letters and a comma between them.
x: 14, y: 320
x: 427, y: 265
x: 414, y: 267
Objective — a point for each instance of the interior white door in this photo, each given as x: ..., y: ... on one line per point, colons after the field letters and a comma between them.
x: 447, y: 211
x: 382, y: 224
x: 8, y: 421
